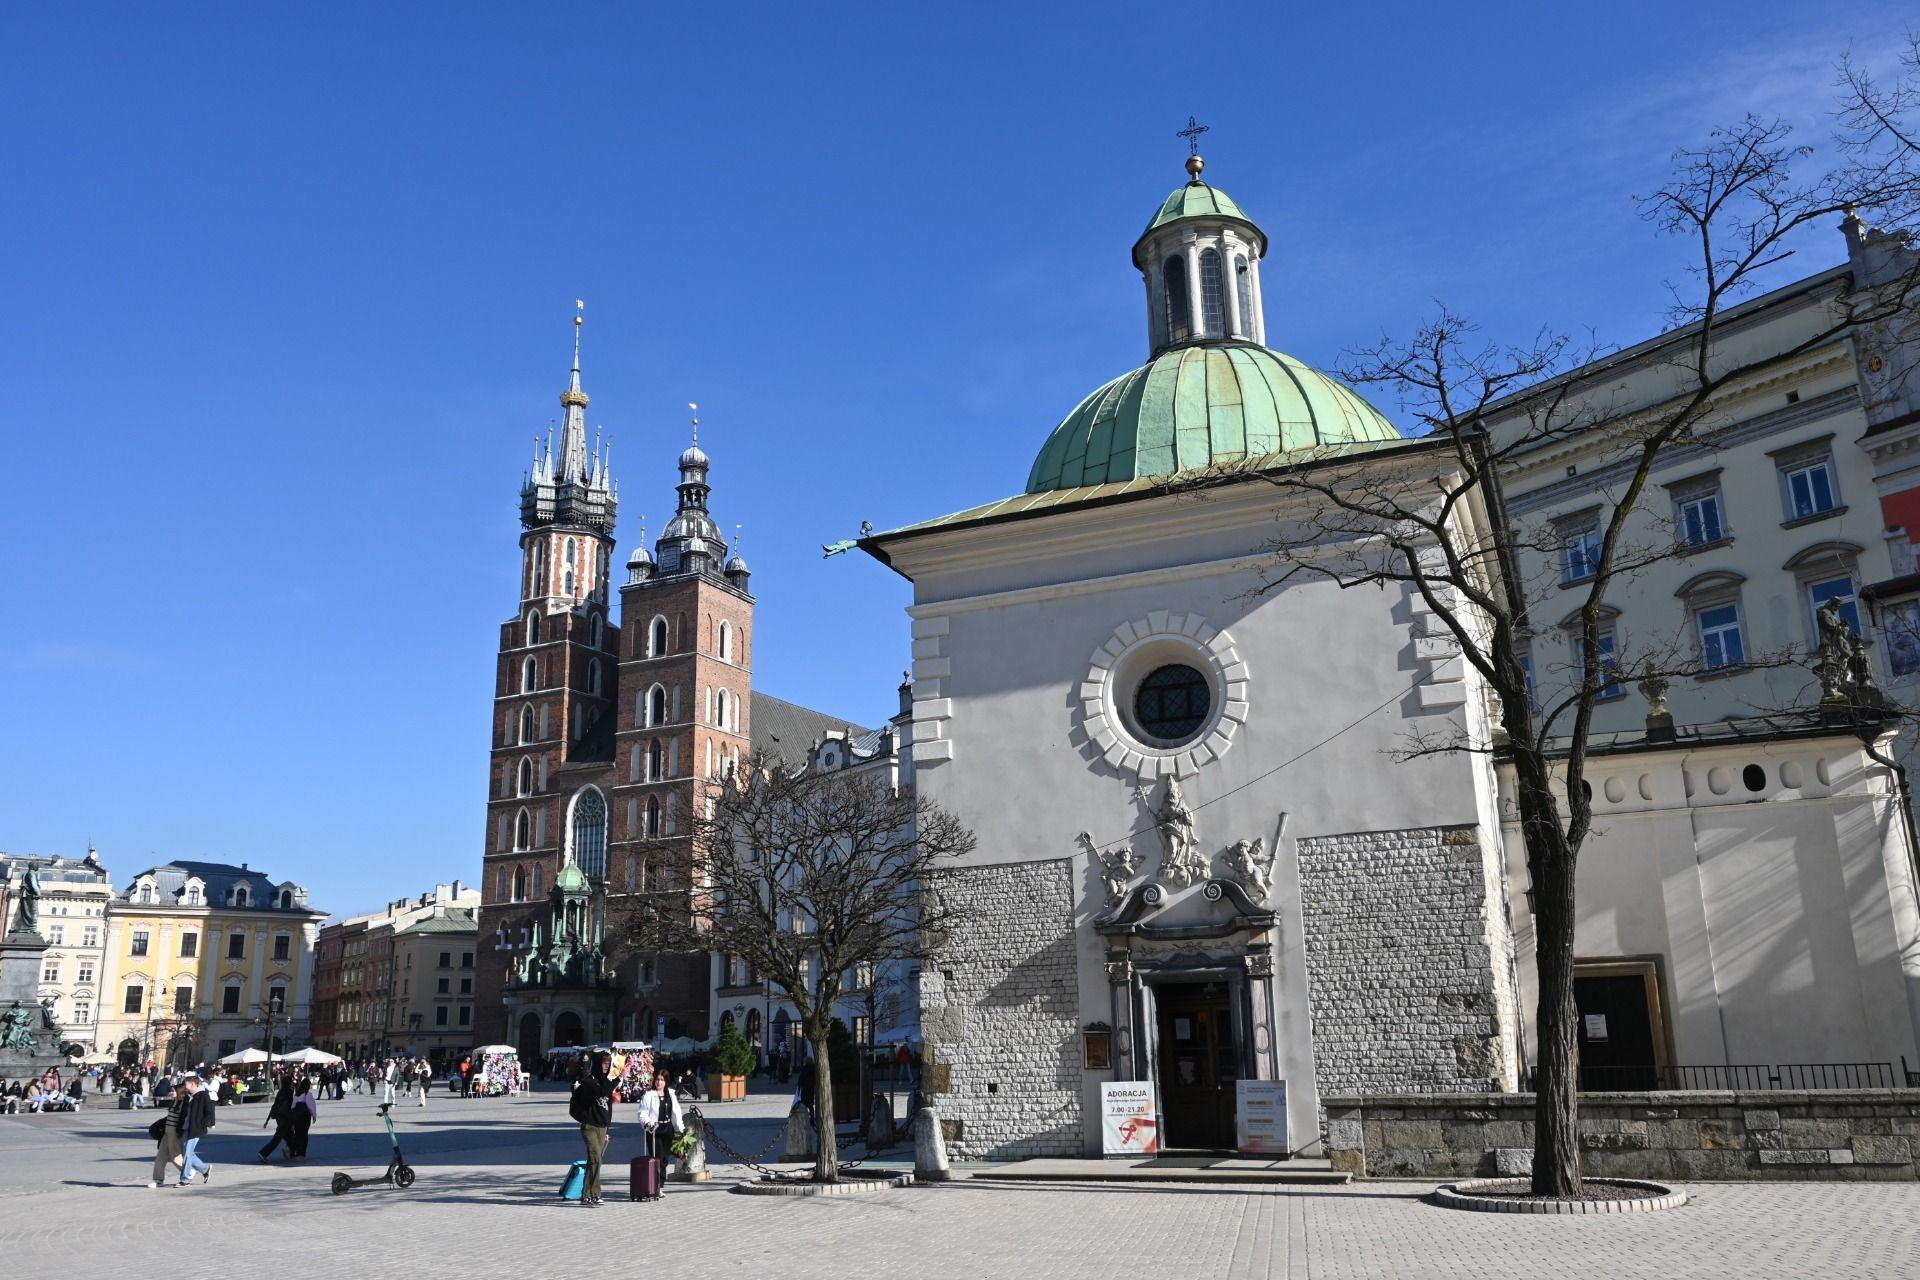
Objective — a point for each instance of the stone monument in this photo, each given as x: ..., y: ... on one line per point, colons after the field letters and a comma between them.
x: 29, y: 1035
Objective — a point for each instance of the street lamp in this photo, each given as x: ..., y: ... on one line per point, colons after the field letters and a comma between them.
x: 275, y: 1006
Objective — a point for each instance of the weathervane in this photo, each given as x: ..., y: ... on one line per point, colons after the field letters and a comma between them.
x: 696, y: 423
x: 1192, y: 134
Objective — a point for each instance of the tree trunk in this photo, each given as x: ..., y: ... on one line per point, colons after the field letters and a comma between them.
x: 826, y: 1164
x: 1556, y: 1116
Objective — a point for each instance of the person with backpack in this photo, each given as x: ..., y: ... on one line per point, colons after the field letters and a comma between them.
x: 592, y: 1106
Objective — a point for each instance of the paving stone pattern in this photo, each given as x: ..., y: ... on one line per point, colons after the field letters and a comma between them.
x: 77, y: 1204
x: 1399, y: 976
x: 999, y: 1008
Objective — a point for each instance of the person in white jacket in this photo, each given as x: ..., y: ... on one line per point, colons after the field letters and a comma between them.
x: 660, y: 1107
x: 388, y: 1077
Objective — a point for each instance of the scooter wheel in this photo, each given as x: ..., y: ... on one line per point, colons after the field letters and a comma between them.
x: 342, y: 1184
x: 403, y: 1176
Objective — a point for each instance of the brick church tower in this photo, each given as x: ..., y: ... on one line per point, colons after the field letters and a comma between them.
x: 554, y: 689
x: 686, y: 675
x: 602, y: 737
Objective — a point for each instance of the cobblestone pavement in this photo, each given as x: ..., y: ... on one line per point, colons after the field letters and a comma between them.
x: 75, y: 1199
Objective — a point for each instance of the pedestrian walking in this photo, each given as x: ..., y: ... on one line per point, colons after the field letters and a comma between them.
x: 425, y: 1071
x: 280, y: 1116
x: 592, y: 1105
x: 389, y: 1074
x: 196, y: 1121
x: 306, y: 1110
x: 166, y: 1132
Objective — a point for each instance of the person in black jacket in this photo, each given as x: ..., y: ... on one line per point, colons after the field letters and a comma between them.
x: 196, y: 1119
x: 280, y: 1116
x: 592, y: 1106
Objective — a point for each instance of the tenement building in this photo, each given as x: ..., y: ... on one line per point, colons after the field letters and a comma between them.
x: 604, y: 727
x: 1206, y: 857
x: 204, y: 958
x: 401, y: 979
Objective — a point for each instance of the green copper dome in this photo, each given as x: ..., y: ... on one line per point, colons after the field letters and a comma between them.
x: 1200, y: 406
x: 571, y: 879
x: 1198, y: 200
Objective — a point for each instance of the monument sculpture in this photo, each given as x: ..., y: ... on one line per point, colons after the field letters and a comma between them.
x: 1181, y: 864
x: 27, y: 915
x: 1117, y: 868
x: 1841, y: 662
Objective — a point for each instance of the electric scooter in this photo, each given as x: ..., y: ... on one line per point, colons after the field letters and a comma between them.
x: 399, y: 1173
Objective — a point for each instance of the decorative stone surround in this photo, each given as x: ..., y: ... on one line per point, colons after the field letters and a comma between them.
x: 1480, y: 1197
x: 1100, y: 715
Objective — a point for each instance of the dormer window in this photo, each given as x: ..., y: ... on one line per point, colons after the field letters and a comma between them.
x: 286, y: 899
x: 146, y: 893
x: 194, y: 898
x: 240, y: 897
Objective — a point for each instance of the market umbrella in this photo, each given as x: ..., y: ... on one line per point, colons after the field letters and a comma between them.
x: 487, y: 1049
x: 98, y: 1060
x: 311, y: 1057
x: 247, y: 1058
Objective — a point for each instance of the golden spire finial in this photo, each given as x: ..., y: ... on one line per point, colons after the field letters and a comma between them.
x: 696, y: 423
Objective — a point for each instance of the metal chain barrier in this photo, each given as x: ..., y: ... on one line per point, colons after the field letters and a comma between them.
x: 753, y: 1161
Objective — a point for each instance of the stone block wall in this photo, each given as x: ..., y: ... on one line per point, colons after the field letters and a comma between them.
x: 1000, y: 1010
x: 1400, y: 979
x: 1831, y: 1135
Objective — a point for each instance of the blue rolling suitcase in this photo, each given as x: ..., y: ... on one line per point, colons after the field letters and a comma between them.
x: 575, y: 1184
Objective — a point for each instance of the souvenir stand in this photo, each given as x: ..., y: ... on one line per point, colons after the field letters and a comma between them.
x: 496, y: 1071
x: 632, y: 1068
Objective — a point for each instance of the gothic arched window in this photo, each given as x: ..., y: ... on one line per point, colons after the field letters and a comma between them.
x: 657, y: 706
x: 519, y: 884
x: 522, y: 830
x: 530, y: 676
x: 1213, y: 303
x: 720, y: 709
x: 657, y: 638
x: 526, y: 724
x: 588, y: 833
x: 569, y: 550
x: 597, y: 635
x: 523, y: 780
x: 726, y: 642
x: 656, y: 762
x: 1243, y: 284
x: 533, y: 628
x: 568, y: 586
x: 1173, y: 278
x: 593, y: 676
x: 652, y: 830
x: 537, y: 571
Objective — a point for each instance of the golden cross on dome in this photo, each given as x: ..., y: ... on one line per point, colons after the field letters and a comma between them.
x: 1192, y: 134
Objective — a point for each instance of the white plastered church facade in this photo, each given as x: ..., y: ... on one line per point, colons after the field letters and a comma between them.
x: 1200, y: 859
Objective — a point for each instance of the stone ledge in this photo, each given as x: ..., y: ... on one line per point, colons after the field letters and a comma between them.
x: 856, y: 1184
x: 1460, y: 1195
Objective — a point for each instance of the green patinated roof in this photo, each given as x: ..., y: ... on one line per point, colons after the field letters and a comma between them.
x: 571, y: 877
x: 1198, y: 200
x: 1041, y: 503
x: 1204, y: 406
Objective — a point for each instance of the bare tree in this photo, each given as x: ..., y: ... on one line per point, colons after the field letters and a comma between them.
x: 807, y: 876
x: 1368, y: 519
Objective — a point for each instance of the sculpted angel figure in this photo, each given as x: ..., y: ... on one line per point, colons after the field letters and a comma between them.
x: 1117, y: 869
x: 1249, y: 865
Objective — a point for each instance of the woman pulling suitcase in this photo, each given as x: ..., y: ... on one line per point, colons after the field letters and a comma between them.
x: 660, y: 1113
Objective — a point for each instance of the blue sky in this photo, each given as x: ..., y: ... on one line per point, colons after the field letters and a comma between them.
x: 284, y: 297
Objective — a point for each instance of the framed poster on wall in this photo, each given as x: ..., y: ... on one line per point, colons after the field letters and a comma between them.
x: 1260, y: 1119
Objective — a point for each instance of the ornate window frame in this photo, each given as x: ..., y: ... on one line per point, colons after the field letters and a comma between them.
x: 1133, y: 652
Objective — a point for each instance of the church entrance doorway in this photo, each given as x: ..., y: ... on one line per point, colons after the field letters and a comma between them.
x: 1621, y: 1045
x: 567, y: 1030
x: 1199, y: 1066
x: 530, y: 1038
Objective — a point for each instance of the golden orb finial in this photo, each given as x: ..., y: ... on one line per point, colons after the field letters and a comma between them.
x: 1195, y: 164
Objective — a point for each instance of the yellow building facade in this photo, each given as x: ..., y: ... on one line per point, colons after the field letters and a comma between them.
x: 203, y: 959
